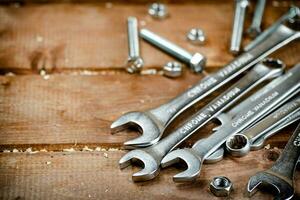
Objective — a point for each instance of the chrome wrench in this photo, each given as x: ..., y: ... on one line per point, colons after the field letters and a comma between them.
x: 152, y: 123
x: 151, y: 156
x: 280, y: 175
x: 290, y: 14
x: 194, y: 157
x: 240, y: 144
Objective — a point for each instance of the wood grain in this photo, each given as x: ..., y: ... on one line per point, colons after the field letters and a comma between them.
x: 93, y: 175
x: 61, y: 37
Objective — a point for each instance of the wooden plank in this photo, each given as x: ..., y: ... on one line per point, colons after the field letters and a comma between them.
x: 93, y: 36
x: 65, y: 110
x: 95, y: 175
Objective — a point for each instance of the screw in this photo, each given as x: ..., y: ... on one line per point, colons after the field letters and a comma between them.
x: 134, y: 63
x: 158, y: 10
x: 196, y: 61
x: 238, y: 25
x: 172, y: 69
x: 196, y: 36
x: 254, y: 29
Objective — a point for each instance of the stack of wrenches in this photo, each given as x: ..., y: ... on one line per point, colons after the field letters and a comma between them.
x: 152, y: 123
x: 152, y: 156
x: 266, y: 100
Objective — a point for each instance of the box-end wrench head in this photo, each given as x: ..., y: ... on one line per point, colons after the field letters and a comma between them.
x: 151, y: 157
x: 240, y: 144
x: 280, y: 175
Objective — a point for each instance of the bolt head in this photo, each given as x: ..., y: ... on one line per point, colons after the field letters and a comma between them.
x: 196, y: 36
x: 158, y: 10
x: 197, y: 63
x: 134, y: 65
x: 172, y: 69
x: 221, y: 186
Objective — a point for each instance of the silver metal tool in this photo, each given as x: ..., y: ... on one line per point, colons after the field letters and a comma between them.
x: 292, y: 13
x: 196, y: 62
x: 259, y: 143
x: 240, y: 144
x: 238, y: 25
x: 158, y: 10
x: 221, y: 186
x: 280, y: 175
x: 196, y: 36
x: 254, y: 29
x: 151, y: 156
x: 172, y: 69
x: 152, y: 123
x: 134, y: 63
x: 285, y: 86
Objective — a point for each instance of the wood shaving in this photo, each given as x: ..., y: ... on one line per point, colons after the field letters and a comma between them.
x: 43, y: 150
x: 69, y: 150
x: 105, y: 155
x: 15, y: 150
x: 6, y: 151
x: 268, y: 146
x: 9, y: 74
x: 149, y: 72
x: 86, y: 148
x: 48, y: 162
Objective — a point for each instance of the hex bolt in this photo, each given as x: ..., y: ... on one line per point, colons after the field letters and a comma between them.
x: 158, y: 10
x: 254, y: 30
x: 134, y: 63
x: 196, y: 61
x: 221, y: 186
x: 196, y: 36
x: 238, y: 25
x: 172, y: 69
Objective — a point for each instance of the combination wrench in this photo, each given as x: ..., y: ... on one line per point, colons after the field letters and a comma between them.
x: 152, y: 123
x: 280, y: 175
x: 290, y: 14
x: 151, y: 156
x: 285, y: 86
x: 240, y: 144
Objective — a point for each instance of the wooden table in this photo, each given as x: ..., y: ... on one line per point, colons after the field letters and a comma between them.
x: 63, y: 82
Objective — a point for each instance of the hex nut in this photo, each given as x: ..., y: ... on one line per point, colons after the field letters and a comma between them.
x: 197, y: 63
x: 172, y: 69
x: 134, y: 65
x: 158, y: 10
x: 196, y: 36
x: 221, y: 186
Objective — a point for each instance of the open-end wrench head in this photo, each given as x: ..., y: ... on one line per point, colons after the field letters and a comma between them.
x: 284, y: 189
x: 151, y: 167
x: 148, y: 127
x: 191, y: 159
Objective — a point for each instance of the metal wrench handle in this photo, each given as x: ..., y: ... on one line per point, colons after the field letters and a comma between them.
x: 272, y: 120
x: 258, y: 143
x: 238, y: 25
x: 259, y: 74
x: 292, y: 12
x: 287, y: 161
x: 167, y: 112
x: 266, y: 103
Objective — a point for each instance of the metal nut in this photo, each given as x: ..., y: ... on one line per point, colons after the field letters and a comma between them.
x: 196, y: 36
x: 158, y: 10
x: 172, y: 69
x: 221, y: 186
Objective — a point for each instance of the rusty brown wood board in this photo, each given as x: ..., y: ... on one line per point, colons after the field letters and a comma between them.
x: 55, y: 140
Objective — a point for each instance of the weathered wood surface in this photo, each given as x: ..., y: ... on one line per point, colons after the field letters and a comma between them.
x: 93, y: 36
x: 73, y: 109
x: 86, y: 44
x: 95, y: 175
